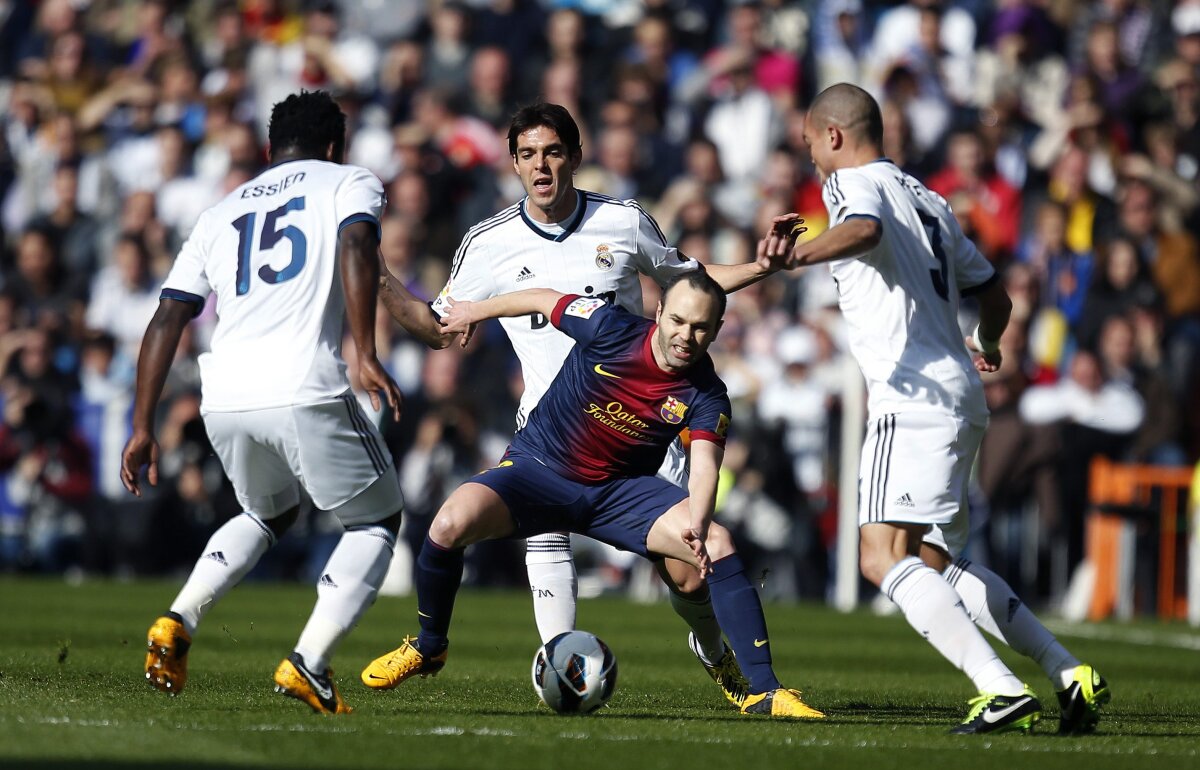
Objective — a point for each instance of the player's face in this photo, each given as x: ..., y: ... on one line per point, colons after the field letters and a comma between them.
x: 545, y: 166
x: 687, y: 325
x: 818, y: 147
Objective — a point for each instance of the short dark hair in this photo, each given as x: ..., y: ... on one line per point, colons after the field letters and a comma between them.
x: 552, y: 116
x: 308, y: 122
x: 700, y: 280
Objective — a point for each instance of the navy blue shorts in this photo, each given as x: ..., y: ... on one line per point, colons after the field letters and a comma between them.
x: 618, y: 512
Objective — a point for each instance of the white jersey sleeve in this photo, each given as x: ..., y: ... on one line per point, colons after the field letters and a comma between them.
x: 359, y: 198
x: 187, y: 281
x: 972, y: 272
x: 471, y: 278
x: 851, y: 195
x: 655, y: 257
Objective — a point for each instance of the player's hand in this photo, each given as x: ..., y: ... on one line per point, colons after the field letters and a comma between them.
x: 984, y: 362
x: 460, y: 319
x: 775, y: 248
x: 141, y: 450
x: 695, y: 540
x: 376, y: 380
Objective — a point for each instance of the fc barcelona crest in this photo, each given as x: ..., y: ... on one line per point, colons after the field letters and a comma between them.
x: 673, y: 410
x: 604, y: 258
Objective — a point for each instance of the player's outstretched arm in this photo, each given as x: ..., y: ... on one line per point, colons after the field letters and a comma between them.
x: 770, y: 259
x: 358, y: 258
x: 464, y: 315
x: 994, y: 309
x: 417, y: 318
x: 705, y: 468
x: 851, y: 238
x: 158, y: 350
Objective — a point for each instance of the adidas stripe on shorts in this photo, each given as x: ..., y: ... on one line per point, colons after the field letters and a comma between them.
x: 915, y: 469
x: 330, y: 448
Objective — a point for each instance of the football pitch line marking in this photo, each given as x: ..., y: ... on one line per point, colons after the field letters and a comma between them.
x: 1136, y: 636
x: 455, y: 731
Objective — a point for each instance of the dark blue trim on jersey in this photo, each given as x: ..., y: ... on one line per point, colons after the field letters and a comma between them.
x: 837, y: 189
x: 972, y: 290
x: 195, y: 300
x: 884, y: 159
x: 363, y: 218
x: 860, y: 216
x: 568, y: 228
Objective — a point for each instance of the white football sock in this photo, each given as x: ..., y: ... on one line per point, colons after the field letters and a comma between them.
x: 702, y: 619
x: 933, y: 608
x: 552, y: 583
x: 348, y: 585
x: 232, y: 551
x: 991, y: 603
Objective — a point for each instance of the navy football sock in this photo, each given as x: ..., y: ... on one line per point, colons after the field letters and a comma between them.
x: 740, y: 614
x: 439, y: 573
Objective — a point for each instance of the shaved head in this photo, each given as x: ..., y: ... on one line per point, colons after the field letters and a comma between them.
x: 852, y: 110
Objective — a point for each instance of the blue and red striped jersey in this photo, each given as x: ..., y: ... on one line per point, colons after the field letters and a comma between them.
x: 612, y: 412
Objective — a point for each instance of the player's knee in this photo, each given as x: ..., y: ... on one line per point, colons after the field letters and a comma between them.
x: 283, y: 522
x: 445, y: 529
x: 686, y: 580
x: 874, y: 564
x: 719, y: 542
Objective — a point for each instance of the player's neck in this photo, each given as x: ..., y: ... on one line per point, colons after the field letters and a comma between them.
x: 561, y: 212
x: 287, y: 156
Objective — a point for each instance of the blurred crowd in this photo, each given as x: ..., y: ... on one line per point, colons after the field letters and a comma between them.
x: 1065, y: 133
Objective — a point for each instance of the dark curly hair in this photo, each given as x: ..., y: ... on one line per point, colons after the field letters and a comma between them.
x: 700, y: 280
x: 308, y: 122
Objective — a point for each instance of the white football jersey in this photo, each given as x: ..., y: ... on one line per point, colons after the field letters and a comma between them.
x: 900, y: 299
x: 269, y: 251
x: 599, y: 251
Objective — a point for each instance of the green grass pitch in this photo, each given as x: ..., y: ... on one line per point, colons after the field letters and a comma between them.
x: 72, y: 692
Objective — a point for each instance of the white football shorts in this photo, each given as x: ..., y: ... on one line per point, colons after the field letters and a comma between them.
x: 915, y: 469
x: 331, y: 448
x: 675, y: 465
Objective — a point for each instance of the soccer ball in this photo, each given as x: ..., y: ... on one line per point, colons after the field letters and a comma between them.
x: 574, y: 673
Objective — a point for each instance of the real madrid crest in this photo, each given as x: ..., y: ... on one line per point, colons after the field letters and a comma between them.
x: 604, y: 258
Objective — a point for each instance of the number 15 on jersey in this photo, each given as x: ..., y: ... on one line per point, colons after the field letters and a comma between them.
x: 271, y: 235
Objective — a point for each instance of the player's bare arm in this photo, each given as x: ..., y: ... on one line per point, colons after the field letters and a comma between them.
x: 855, y: 236
x: 994, y: 310
x: 464, y: 315
x: 358, y: 256
x: 786, y: 229
x: 158, y: 350
x: 706, y: 457
x: 411, y: 312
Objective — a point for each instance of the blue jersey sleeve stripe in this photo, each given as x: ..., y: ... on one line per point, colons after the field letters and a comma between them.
x: 362, y: 217
x: 654, y: 224
x: 195, y: 300
x: 848, y: 217
x: 971, y: 290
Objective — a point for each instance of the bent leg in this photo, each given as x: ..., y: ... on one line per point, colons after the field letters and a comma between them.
x: 231, y: 552
x: 888, y: 559
x: 472, y: 513
x: 553, y: 583
x: 692, y: 601
x: 991, y: 603
x: 735, y: 602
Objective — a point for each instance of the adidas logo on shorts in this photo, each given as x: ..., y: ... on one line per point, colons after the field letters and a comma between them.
x: 524, y: 275
x: 218, y: 557
x: 327, y: 581
x: 904, y: 501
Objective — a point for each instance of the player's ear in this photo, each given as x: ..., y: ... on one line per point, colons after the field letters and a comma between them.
x: 658, y: 312
x: 836, y: 138
x: 576, y: 160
